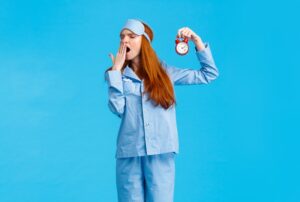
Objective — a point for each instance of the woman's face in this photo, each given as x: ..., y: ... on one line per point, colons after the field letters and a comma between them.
x: 133, y: 43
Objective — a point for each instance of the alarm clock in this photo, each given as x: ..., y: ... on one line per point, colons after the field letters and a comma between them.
x: 181, y: 47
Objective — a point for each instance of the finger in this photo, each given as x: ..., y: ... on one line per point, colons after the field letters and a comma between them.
x: 123, y: 49
x: 120, y: 48
x: 178, y: 35
x: 121, y: 54
x: 189, y: 34
x: 184, y: 33
x: 179, y: 32
x: 112, y: 58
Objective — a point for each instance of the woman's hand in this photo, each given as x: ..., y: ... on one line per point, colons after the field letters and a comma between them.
x: 188, y: 33
x: 118, y: 62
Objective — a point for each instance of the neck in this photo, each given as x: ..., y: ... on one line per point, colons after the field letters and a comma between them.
x: 135, y: 64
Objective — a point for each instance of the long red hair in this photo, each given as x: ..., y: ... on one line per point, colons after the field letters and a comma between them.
x: 156, y: 80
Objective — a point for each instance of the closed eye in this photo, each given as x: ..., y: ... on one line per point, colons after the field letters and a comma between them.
x: 130, y: 35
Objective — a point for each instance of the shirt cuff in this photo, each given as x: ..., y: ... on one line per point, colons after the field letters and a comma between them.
x: 205, y: 46
x: 114, y: 78
x: 204, y: 54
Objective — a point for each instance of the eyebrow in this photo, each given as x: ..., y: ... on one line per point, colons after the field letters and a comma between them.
x: 129, y: 34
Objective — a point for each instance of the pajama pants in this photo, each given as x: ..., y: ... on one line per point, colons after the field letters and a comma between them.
x: 146, y: 178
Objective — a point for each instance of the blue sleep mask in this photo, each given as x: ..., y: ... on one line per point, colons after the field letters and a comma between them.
x: 137, y: 27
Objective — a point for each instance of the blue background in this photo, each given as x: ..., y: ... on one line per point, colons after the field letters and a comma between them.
x: 239, y: 136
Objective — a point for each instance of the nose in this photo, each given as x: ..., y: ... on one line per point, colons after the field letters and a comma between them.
x: 125, y: 39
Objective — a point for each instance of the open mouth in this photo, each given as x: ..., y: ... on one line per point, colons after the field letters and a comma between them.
x: 127, y: 50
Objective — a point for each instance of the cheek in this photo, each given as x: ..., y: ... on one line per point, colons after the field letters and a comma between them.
x: 137, y: 47
x: 137, y: 44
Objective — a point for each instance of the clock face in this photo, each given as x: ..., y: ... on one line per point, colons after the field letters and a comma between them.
x: 182, y: 48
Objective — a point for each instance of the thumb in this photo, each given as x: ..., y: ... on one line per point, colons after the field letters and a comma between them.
x: 112, y: 57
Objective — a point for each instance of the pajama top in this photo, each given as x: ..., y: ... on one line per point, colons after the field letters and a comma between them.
x: 147, y: 129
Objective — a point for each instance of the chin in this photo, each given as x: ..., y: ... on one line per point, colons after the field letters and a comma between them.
x: 130, y: 58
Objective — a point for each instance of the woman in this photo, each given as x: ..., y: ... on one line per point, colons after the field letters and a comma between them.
x: 141, y: 93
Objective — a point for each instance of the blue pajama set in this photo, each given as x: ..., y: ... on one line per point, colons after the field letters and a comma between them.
x: 147, y: 139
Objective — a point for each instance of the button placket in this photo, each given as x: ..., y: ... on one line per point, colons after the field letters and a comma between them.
x: 143, y: 110
x: 146, y: 121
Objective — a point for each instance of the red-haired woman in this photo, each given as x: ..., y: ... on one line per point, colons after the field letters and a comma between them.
x: 141, y: 93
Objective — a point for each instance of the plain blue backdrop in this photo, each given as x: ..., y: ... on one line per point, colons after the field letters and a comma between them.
x: 239, y: 136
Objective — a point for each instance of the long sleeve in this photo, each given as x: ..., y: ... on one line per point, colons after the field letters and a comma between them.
x: 116, y: 102
x: 207, y: 73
